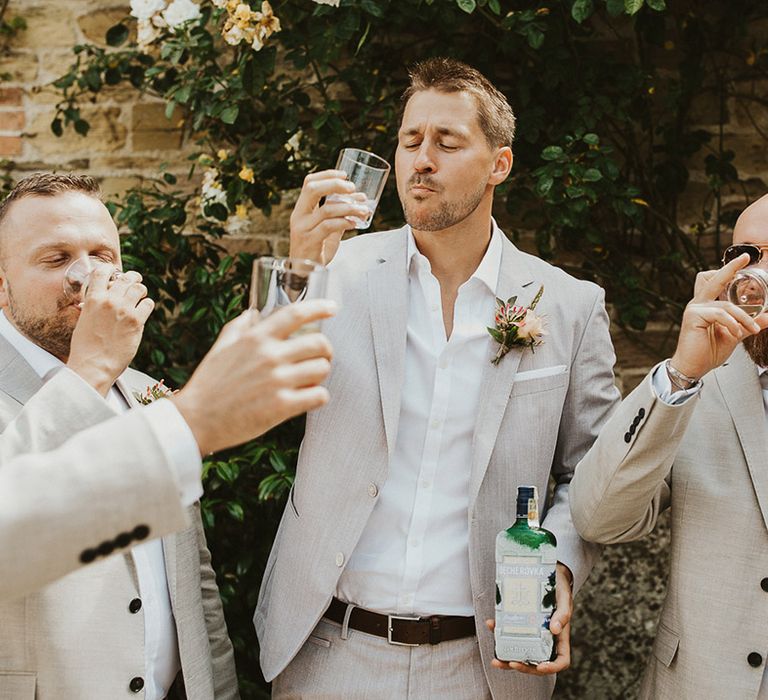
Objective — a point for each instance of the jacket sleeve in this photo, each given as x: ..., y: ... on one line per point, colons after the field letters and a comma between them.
x: 222, y: 654
x: 592, y: 395
x: 95, y: 489
x: 621, y: 485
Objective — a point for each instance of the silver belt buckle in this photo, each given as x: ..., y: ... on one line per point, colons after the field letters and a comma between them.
x: 389, y: 629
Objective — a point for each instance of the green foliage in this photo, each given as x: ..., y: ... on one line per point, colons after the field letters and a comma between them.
x: 608, y: 95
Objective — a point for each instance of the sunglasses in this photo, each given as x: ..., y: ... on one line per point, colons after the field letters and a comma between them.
x: 734, y: 251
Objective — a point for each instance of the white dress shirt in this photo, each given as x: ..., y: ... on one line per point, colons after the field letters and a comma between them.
x: 413, y: 555
x: 161, y: 647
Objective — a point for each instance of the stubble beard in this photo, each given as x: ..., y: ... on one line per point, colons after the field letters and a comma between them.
x: 757, y: 348
x: 447, y: 214
x: 53, y: 334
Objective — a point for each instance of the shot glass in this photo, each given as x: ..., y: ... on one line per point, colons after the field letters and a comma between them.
x: 277, y: 282
x: 368, y: 172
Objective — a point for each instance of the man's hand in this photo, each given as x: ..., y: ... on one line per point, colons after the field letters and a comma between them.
x: 109, y: 330
x: 316, y: 230
x: 559, y: 625
x: 256, y: 376
x: 711, y: 329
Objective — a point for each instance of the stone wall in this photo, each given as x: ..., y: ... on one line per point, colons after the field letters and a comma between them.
x: 131, y: 138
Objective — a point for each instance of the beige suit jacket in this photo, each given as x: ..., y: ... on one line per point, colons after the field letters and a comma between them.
x: 706, y: 459
x: 76, y: 638
x: 525, y: 433
x: 56, y: 504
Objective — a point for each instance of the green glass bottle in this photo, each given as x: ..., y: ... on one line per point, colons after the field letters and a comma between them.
x: 526, y: 561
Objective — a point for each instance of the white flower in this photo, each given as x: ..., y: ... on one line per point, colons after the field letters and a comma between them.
x: 147, y: 33
x: 144, y: 9
x: 234, y: 35
x: 293, y: 144
x: 180, y: 11
x: 211, y: 191
x: 531, y: 327
x: 332, y: 3
x: 220, y: 3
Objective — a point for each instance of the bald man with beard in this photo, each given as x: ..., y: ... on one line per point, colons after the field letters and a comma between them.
x: 693, y: 437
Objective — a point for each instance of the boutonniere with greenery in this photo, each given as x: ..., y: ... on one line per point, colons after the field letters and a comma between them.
x: 517, y: 326
x: 152, y: 393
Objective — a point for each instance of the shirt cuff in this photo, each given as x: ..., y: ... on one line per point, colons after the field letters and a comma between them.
x: 662, y: 387
x: 181, y: 448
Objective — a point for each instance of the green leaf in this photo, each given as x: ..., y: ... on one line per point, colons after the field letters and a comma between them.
x: 496, y: 334
x: 552, y: 153
x: 535, y: 38
x: 494, y: 6
x: 581, y: 10
x: 82, y: 127
x: 658, y: 5
x: 591, y: 139
x: 56, y: 127
x: 117, y: 35
x: 170, y: 178
x: 467, y: 5
x: 229, y: 115
x: 544, y: 184
x: 632, y: 7
x: 615, y: 7
x: 592, y: 175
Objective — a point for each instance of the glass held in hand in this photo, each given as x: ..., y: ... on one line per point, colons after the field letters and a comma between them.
x: 368, y: 173
x: 278, y: 282
x: 749, y: 290
x: 78, y: 275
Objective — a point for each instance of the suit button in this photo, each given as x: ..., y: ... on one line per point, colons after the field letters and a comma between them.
x: 373, y: 490
x: 764, y: 584
x: 105, y: 548
x: 641, y: 413
x: 136, y: 684
x: 87, y: 556
x: 135, y: 605
x: 140, y: 532
x: 123, y: 539
x: 632, y: 429
x: 339, y: 559
x: 754, y: 659
x: 627, y: 437
x: 636, y: 422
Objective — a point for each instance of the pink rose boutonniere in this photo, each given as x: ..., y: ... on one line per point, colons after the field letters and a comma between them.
x: 151, y: 393
x: 517, y: 325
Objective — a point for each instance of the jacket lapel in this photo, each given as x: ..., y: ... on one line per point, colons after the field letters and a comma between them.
x: 740, y: 386
x: 388, y: 305
x: 515, y: 279
x: 17, y: 377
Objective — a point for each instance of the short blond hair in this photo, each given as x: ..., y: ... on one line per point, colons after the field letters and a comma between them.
x: 497, y: 120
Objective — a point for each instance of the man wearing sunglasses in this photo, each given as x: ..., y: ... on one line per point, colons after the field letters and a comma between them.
x: 694, y: 437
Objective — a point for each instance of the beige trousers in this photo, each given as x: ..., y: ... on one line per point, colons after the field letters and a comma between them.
x: 365, y: 667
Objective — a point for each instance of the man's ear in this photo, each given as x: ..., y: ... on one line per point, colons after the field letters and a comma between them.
x: 4, y: 301
x: 502, y: 166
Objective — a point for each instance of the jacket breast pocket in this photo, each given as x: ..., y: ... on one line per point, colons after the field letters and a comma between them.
x: 666, y: 644
x: 543, y: 382
x: 17, y: 685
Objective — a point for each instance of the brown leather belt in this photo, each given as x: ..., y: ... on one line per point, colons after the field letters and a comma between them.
x: 403, y: 630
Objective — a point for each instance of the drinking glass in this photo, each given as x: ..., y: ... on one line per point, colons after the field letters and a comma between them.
x: 749, y: 290
x: 78, y: 275
x: 277, y: 282
x: 368, y: 173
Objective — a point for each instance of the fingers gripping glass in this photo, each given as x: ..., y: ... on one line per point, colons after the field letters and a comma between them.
x: 78, y: 275
x: 734, y: 251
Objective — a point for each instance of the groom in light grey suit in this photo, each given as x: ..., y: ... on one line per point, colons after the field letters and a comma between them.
x: 382, y: 575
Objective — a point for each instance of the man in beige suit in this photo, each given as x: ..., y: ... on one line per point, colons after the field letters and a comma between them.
x: 382, y: 573
x: 149, y: 622
x: 58, y: 501
x: 693, y: 437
